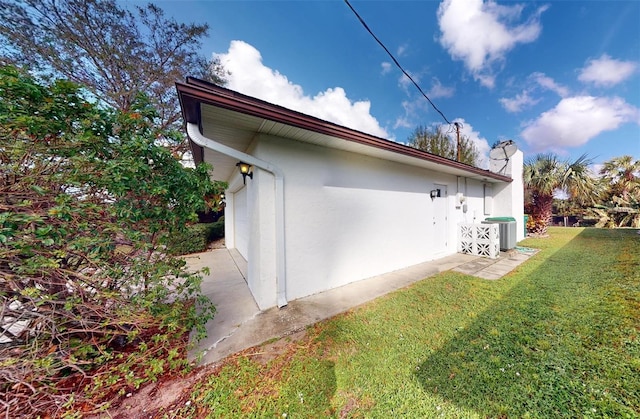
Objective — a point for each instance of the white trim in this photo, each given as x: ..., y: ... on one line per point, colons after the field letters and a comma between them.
x: 194, y: 133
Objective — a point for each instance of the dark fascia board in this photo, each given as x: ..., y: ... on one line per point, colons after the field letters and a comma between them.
x: 190, y: 109
x: 196, y: 91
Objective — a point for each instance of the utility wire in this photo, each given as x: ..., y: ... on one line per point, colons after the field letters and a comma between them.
x: 396, y: 61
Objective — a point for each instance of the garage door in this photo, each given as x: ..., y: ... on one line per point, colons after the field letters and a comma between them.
x: 241, y: 220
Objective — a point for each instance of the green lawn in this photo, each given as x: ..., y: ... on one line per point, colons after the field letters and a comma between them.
x: 558, y: 337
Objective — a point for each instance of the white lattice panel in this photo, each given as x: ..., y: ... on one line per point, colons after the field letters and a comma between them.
x: 479, y: 239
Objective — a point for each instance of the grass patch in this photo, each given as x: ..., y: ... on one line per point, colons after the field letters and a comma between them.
x: 556, y: 337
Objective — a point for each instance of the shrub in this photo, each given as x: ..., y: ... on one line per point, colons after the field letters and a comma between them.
x: 195, y: 238
x: 217, y: 230
x: 90, y: 306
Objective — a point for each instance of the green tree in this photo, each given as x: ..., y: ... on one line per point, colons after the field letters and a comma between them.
x: 438, y: 142
x: 87, y: 202
x: 620, y: 206
x: 545, y: 175
x: 115, y: 53
x: 622, y: 175
x: 567, y: 208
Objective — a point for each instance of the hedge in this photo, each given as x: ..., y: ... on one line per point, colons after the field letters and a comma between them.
x: 195, y: 238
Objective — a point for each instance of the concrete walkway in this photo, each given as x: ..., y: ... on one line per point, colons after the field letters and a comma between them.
x: 238, y: 323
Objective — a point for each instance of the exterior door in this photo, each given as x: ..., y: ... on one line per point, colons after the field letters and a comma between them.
x: 440, y: 220
x: 241, y: 223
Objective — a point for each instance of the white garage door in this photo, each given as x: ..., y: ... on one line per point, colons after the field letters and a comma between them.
x: 241, y: 220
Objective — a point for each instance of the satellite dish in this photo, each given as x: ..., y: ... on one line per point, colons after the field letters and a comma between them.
x: 503, y: 151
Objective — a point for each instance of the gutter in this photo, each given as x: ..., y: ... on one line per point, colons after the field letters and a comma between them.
x: 197, y: 92
x: 281, y: 285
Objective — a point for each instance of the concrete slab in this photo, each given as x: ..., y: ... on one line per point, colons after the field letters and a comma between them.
x: 239, y: 324
x: 489, y: 275
x: 226, y: 287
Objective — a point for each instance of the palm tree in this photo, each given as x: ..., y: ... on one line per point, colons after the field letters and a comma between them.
x: 622, y: 175
x: 621, y: 201
x: 546, y: 174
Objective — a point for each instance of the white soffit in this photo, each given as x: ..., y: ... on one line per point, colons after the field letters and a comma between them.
x: 238, y: 130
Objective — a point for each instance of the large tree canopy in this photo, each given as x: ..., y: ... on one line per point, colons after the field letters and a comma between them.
x: 620, y: 203
x: 114, y: 52
x: 439, y: 143
x: 622, y: 175
x: 87, y: 202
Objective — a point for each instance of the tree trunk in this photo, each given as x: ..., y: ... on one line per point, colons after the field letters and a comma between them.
x: 542, y: 212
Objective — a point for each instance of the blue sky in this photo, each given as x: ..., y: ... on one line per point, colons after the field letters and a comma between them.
x: 560, y: 76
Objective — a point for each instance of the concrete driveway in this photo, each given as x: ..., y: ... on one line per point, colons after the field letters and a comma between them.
x: 238, y: 323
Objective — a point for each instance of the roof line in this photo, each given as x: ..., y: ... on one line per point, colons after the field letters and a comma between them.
x: 196, y: 91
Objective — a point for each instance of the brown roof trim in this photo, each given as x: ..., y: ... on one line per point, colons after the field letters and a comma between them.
x: 196, y: 91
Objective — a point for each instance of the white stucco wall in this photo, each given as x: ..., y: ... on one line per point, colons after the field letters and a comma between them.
x: 471, y: 210
x: 260, y: 250
x: 350, y: 217
x: 261, y: 268
x: 508, y: 199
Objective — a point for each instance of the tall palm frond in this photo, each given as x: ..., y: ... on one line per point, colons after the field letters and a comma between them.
x: 542, y: 173
x: 622, y: 175
x: 545, y: 174
x: 579, y: 183
x: 620, y: 204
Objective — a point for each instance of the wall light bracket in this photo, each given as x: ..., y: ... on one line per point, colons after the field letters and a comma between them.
x: 245, y: 170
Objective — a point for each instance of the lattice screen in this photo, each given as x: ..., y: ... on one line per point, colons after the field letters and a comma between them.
x: 479, y: 239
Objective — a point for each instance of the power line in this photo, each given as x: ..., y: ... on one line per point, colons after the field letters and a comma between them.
x: 396, y: 61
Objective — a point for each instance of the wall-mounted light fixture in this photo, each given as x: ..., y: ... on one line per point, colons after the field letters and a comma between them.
x: 245, y: 170
x: 435, y: 193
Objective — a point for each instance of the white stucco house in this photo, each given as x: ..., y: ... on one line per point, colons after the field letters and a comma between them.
x: 327, y: 205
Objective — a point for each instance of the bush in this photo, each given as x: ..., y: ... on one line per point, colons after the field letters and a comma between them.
x: 89, y: 305
x: 195, y: 238
x: 217, y: 230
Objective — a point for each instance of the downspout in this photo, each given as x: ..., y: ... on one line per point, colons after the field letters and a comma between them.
x: 281, y: 285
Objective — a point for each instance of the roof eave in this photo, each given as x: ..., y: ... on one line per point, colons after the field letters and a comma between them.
x: 196, y: 91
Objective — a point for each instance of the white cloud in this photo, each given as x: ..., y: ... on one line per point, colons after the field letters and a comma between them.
x: 480, y: 34
x: 595, y: 169
x: 524, y: 100
x: 438, y: 90
x: 576, y: 120
x: 518, y: 103
x: 402, y: 50
x: 406, y: 84
x: 250, y: 76
x: 412, y: 111
x: 403, y: 122
x: 486, y: 80
x: 417, y: 106
x: 550, y: 84
x: 606, y: 71
x: 386, y: 67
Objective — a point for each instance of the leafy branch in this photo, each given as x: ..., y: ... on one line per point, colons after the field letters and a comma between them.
x: 91, y: 304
